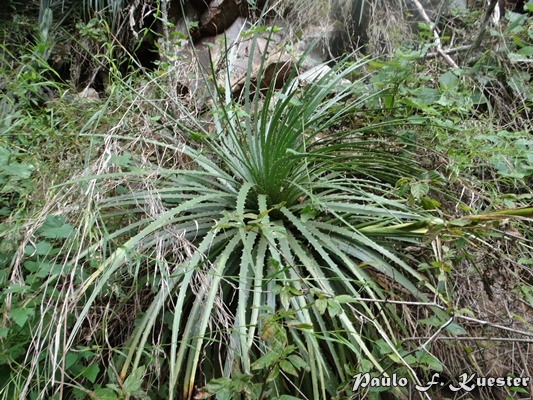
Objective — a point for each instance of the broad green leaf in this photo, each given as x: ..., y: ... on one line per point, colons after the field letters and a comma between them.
x: 431, y: 362
x: 21, y: 315
x: 448, y: 80
x: 308, y: 213
x: 104, y: 394
x: 16, y: 288
x: 419, y: 189
x: 344, y: 298
x: 409, y: 359
x: 298, y: 362
x: 456, y: 329
x: 285, y: 298
x: 216, y: 385
x: 91, y: 372
x: 70, y: 359
x: 526, y: 51
x: 55, y: 228
x: 288, y: 367
x: 273, y: 374
x: 334, y: 308
x: 42, y: 248
x: 224, y: 394
x: 241, y: 382
x: 266, y: 361
x: 321, y: 305
x: 134, y: 381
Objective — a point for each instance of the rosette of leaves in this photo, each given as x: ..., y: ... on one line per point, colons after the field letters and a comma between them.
x: 289, y: 217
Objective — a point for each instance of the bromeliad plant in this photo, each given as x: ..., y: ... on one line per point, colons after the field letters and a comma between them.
x: 283, y: 220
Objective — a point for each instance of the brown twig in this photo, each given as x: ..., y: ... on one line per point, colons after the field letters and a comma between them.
x: 463, y: 338
x: 483, y: 28
x: 435, y: 32
x: 451, y: 51
x: 459, y: 316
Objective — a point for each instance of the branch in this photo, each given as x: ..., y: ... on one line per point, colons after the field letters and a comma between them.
x: 435, y: 32
x: 456, y: 316
x: 477, y: 338
x: 481, y: 33
x: 451, y: 51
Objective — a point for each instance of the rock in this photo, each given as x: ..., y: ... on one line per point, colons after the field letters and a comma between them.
x: 261, y: 56
x: 314, y: 43
x: 219, y: 16
x: 89, y: 93
x: 239, y: 64
x: 200, y: 5
x: 313, y: 75
x: 277, y: 69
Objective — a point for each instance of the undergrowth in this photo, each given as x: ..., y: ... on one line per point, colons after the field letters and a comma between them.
x: 274, y: 246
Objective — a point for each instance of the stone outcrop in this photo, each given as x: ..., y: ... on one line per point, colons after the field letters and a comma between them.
x: 221, y: 33
x: 219, y: 16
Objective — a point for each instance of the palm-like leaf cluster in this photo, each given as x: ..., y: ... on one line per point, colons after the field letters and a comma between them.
x: 288, y: 214
x: 256, y: 254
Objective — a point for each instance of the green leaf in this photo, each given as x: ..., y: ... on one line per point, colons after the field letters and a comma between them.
x: 224, y: 394
x: 456, y: 329
x: 292, y: 101
x: 55, y: 227
x: 241, y: 382
x: 104, y: 394
x: 91, y: 372
x: 344, y: 298
x: 431, y: 362
x: 526, y: 51
x: 21, y: 315
x: 308, y: 213
x: 298, y: 362
x: 221, y: 387
x: 272, y: 231
x: 49, y: 269
x: 448, y: 80
x: 42, y: 248
x: 266, y: 361
x: 321, y: 305
x: 384, y: 347
x: 411, y: 360
x: 419, y: 189
x: 299, y: 325
x: 218, y: 384
x: 273, y: 374
x: 334, y: 308
x: 16, y: 288
x: 11, y: 170
x: 459, y: 222
x: 288, y: 367
x: 285, y: 298
x: 430, y: 204
x: 70, y: 359
x: 134, y: 381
